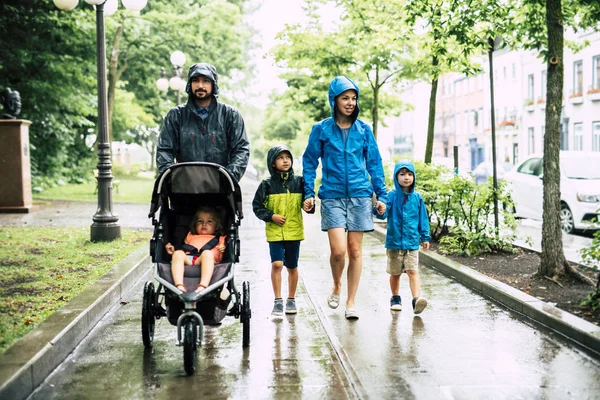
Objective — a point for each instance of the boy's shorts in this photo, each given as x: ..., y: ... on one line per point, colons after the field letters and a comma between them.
x: 400, y: 261
x: 352, y: 214
x: 287, y: 251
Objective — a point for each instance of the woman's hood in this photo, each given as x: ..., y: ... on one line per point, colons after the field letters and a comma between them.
x: 339, y: 85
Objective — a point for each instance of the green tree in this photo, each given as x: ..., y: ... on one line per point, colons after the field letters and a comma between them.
x: 366, y: 46
x: 451, y: 36
x: 540, y: 26
x: 49, y: 56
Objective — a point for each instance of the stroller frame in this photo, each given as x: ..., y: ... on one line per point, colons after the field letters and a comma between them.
x: 171, y: 194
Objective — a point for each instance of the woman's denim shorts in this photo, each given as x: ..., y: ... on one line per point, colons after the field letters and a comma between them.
x: 352, y: 214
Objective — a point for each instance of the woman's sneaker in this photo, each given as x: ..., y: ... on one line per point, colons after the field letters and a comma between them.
x: 419, y: 304
x: 277, y: 308
x: 396, y: 303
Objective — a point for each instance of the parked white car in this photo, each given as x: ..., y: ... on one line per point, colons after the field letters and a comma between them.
x: 579, y: 188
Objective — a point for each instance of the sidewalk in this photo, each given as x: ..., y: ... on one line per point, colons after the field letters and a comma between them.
x: 568, y: 325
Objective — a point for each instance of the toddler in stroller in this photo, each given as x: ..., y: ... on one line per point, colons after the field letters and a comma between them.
x: 204, y: 246
x: 200, y: 209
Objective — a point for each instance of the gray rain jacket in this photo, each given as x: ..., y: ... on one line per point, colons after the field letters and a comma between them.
x: 219, y: 138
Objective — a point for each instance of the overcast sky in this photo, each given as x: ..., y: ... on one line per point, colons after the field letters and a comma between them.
x: 269, y: 19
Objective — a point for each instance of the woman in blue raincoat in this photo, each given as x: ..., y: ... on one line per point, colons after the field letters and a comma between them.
x: 349, y: 156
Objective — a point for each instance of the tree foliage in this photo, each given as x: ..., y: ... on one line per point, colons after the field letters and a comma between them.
x: 49, y: 56
x: 366, y: 46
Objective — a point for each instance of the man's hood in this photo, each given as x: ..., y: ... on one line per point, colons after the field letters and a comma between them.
x: 204, y: 69
x: 272, y: 155
x: 339, y: 85
x: 409, y: 166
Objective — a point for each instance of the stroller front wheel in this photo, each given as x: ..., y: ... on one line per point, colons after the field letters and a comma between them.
x: 189, y: 346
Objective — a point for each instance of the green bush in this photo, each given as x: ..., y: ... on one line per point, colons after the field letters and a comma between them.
x: 591, y: 257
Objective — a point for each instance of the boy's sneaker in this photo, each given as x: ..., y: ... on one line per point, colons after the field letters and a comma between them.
x: 419, y: 304
x: 290, y: 306
x: 277, y: 308
x: 396, y: 303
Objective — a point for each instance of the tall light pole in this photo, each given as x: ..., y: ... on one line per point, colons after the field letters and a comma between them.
x: 106, y: 224
x: 175, y: 82
x: 493, y: 44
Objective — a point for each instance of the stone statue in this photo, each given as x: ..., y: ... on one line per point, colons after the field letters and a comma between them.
x: 11, y: 100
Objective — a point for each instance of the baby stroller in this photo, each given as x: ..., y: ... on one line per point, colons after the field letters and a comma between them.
x: 178, y: 192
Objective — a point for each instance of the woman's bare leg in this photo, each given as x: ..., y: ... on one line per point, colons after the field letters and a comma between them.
x: 354, y: 265
x: 337, y: 258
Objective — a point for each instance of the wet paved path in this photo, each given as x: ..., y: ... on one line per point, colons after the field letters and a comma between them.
x: 462, y: 347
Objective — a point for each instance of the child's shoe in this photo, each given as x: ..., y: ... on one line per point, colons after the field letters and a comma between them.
x: 396, y: 303
x: 419, y: 304
x: 290, y: 306
x: 277, y: 308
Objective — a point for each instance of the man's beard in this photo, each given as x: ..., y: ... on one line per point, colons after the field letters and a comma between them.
x: 201, y: 95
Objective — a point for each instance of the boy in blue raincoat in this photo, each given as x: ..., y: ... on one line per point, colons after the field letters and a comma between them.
x: 407, y: 227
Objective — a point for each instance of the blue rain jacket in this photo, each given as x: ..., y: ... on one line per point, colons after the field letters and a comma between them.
x: 407, y: 220
x: 346, y: 164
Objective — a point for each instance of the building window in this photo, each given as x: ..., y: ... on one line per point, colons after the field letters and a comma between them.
x: 544, y: 84
x: 578, y: 78
x: 596, y: 136
x: 564, y: 136
x: 530, y: 140
x: 530, y: 87
x: 578, y: 136
x: 514, y: 71
x: 596, y: 72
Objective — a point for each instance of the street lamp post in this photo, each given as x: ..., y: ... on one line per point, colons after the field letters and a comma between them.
x: 175, y: 82
x: 106, y: 224
x: 493, y: 45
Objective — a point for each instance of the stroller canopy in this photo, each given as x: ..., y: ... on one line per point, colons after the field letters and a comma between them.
x: 186, y: 180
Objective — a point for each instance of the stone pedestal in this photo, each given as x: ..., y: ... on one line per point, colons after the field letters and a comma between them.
x: 15, y: 169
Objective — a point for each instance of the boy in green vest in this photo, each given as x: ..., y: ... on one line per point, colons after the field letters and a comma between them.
x: 278, y: 201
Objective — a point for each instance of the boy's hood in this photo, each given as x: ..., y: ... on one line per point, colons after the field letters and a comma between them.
x: 339, y: 85
x: 204, y: 69
x: 272, y: 155
x: 409, y: 166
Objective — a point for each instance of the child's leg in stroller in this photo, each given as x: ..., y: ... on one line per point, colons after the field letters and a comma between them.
x: 276, y: 268
x: 178, y: 261
x: 207, y: 267
x: 292, y: 282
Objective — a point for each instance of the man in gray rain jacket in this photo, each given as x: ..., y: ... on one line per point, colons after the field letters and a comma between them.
x: 203, y: 129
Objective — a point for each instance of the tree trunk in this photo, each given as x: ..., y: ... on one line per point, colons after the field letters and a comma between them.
x: 553, y: 259
x: 431, y: 122
x: 113, y: 77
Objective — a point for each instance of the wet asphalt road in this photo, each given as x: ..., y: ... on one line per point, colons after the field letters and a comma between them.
x: 462, y: 346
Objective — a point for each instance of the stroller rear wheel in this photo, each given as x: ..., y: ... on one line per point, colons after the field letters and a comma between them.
x: 148, y: 318
x: 246, y: 314
x: 190, y: 335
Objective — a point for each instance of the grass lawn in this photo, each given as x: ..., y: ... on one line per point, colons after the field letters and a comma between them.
x: 43, y: 268
x: 125, y: 190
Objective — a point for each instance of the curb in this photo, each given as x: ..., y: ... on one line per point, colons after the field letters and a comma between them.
x: 27, y: 363
x: 574, y: 328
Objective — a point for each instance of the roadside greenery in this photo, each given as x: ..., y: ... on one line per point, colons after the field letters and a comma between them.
x: 49, y: 57
x: 41, y: 269
x: 591, y: 257
x: 128, y: 187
